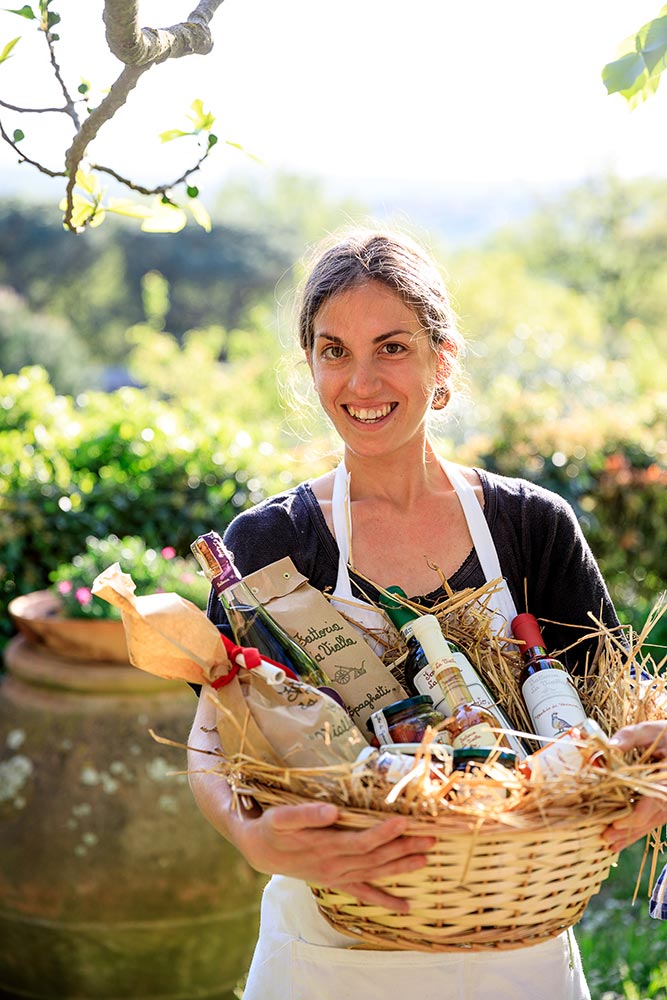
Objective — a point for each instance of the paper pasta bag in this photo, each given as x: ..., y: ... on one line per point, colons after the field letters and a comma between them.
x: 298, y: 725
x: 355, y: 671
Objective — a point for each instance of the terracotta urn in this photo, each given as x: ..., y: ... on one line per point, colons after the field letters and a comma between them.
x: 112, y: 885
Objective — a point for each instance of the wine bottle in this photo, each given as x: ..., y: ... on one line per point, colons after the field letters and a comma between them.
x: 550, y: 696
x: 250, y: 622
x: 427, y: 633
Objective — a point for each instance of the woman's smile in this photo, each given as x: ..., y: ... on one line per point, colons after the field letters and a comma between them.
x: 368, y: 414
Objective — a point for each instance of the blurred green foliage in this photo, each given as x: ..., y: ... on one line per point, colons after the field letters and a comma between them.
x: 153, y: 571
x: 124, y: 463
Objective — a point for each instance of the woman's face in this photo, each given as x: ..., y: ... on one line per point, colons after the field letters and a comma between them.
x: 373, y: 367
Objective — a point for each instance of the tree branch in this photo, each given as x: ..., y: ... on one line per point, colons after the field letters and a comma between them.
x: 26, y: 159
x: 30, y: 111
x: 136, y: 46
x: 160, y: 188
x: 114, y: 100
x: 69, y: 108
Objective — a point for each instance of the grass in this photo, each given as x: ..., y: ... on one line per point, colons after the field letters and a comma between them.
x: 623, y: 950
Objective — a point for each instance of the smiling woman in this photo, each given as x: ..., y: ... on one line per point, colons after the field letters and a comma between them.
x: 380, y: 338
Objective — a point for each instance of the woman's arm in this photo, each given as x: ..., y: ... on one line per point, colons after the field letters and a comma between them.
x: 301, y: 841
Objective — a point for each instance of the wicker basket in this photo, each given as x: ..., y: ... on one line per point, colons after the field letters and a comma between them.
x: 506, y: 876
x: 485, y: 885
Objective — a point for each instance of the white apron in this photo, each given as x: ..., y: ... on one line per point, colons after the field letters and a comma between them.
x: 299, y: 956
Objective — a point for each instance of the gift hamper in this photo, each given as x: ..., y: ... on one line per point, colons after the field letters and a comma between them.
x: 515, y: 859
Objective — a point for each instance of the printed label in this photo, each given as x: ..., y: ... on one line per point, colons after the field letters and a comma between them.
x: 475, y: 736
x: 380, y: 728
x: 552, y: 702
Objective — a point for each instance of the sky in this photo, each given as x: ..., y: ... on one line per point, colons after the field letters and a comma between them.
x: 466, y: 94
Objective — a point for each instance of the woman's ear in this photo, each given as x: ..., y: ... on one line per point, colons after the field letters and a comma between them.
x: 309, y: 359
x: 443, y: 370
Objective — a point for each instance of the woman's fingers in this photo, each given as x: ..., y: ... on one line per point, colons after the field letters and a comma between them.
x: 300, y: 841
x: 646, y: 816
x: 650, y: 736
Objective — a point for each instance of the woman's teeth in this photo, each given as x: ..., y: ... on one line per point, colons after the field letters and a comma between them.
x: 370, y: 415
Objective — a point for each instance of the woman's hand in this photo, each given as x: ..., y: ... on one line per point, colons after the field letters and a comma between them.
x: 301, y: 841
x: 649, y: 812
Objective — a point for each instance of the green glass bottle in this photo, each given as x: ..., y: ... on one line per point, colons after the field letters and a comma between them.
x: 250, y: 622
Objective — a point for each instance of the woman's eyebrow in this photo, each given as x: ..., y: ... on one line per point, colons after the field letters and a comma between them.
x: 376, y: 340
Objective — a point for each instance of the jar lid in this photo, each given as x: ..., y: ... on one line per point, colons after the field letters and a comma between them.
x: 479, y: 755
x: 417, y: 701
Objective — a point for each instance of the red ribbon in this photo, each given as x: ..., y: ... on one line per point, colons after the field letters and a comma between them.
x: 251, y: 659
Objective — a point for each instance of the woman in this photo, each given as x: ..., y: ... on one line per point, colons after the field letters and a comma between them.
x: 379, y: 337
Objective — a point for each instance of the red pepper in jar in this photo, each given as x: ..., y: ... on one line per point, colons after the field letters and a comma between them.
x: 405, y: 721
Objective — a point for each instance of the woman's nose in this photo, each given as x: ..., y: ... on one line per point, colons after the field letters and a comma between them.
x: 364, y: 378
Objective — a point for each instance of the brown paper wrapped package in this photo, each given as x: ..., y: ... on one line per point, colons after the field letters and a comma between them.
x: 166, y: 635
x: 260, y: 712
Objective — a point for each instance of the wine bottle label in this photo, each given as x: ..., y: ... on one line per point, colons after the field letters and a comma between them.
x: 480, y: 735
x: 552, y: 702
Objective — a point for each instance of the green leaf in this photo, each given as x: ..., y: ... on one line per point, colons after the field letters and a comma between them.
x: 241, y: 149
x: 199, y: 214
x: 202, y: 120
x: 129, y: 208
x: 641, y: 59
x: 192, y: 191
x: 164, y: 218
x: 18, y: 135
x: 83, y: 87
x: 173, y: 133
x: 52, y: 19
x: 212, y: 139
x: 25, y: 11
x: 6, y: 52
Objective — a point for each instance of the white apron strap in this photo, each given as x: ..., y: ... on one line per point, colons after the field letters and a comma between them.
x: 342, y: 525
x: 501, y: 601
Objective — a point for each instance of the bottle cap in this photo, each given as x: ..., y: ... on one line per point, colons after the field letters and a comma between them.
x: 426, y: 628
x: 526, y: 628
x: 397, y: 612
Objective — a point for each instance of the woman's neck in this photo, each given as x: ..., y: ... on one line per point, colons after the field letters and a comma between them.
x: 402, y: 477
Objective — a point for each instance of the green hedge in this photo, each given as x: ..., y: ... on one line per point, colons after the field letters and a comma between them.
x: 123, y: 463
x: 612, y: 467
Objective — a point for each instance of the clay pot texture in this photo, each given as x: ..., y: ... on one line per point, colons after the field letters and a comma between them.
x: 111, y: 882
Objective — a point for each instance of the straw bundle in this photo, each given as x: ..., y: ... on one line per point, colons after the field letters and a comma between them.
x: 515, y: 861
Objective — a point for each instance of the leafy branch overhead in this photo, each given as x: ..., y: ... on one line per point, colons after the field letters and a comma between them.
x: 642, y: 57
x: 139, y: 50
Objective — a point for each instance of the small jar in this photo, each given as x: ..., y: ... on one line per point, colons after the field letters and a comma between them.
x: 487, y: 763
x: 405, y: 721
x: 470, y: 758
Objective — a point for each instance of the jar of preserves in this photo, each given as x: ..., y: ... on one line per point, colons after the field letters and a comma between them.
x: 488, y: 765
x: 405, y: 721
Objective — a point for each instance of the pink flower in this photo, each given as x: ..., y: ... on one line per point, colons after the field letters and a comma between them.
x: 168, y: 552
x: 83, y: 595
x: 65, y: 587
